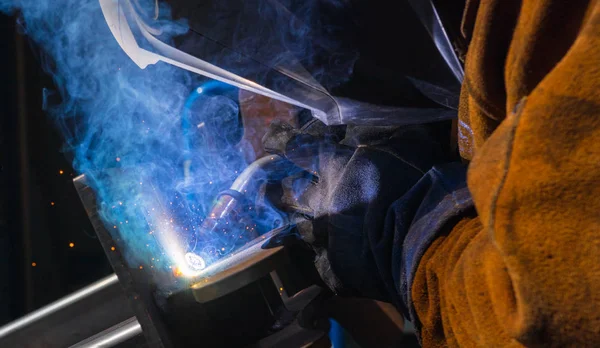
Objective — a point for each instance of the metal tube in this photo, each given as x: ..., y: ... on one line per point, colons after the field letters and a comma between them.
x: 112, y: 336
x: 229, y: 200
x: 246, y: 177
x: 56, y: 306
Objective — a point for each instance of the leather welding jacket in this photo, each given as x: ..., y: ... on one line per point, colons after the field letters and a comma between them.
x: 514, y: 260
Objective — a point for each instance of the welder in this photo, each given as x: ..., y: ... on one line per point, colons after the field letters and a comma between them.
x: 499, y: 249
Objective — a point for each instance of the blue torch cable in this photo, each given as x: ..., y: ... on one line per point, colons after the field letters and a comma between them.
x: 336, y: 334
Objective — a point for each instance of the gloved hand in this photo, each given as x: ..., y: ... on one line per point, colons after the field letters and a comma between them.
x: 360, y: 172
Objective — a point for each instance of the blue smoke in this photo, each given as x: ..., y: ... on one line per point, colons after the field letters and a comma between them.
x: 154, y: 145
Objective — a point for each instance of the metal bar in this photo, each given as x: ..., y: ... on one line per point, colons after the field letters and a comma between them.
x: 56, y: 306
x: 110, y: 337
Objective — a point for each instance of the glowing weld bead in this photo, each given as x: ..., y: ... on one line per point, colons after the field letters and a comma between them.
x: 195, y: 262
x: 177, y: 272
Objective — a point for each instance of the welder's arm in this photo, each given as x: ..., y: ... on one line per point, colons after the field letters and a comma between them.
x: 526, y: 269
x: 517, y: 264
x: 358, y: 180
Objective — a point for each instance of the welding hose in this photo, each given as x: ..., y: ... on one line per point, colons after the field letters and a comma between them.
x: 206, y: 90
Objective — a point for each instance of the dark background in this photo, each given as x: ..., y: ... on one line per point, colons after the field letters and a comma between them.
x: 32, y: 229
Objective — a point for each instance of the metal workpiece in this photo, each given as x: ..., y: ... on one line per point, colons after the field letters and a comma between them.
x: 57, y: 306
x: 232, y: 302
x: 113, y: 336
x: 70, y: 319
x: 236, y: 271
x: 136, y: 284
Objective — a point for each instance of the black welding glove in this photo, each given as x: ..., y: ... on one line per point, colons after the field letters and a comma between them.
x: 361, y: 173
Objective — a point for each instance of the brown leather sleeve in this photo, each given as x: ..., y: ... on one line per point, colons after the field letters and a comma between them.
x: 526, y: 270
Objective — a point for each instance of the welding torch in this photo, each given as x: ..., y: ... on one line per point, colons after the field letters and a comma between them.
x: 233, y: 209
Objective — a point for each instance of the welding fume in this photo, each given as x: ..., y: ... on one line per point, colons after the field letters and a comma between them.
x: 293, y: 78
x: 224, y: 146
x: 280, y: 173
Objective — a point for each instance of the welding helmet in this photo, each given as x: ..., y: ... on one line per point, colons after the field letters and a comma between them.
x: 317, y: 55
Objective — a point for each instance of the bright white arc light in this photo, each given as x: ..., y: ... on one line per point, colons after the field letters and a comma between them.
x: 195, y: 262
